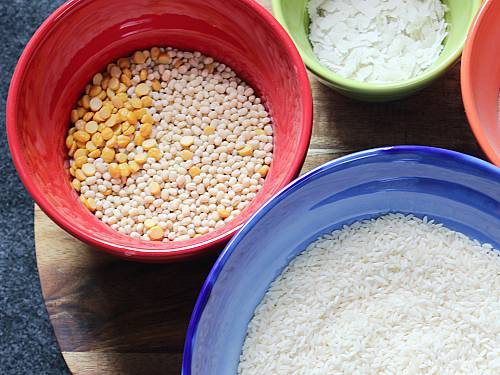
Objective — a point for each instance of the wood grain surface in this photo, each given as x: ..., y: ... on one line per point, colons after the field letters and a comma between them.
x: 116, y: 317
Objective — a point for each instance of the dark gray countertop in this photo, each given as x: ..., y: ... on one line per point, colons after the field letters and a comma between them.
x: 27, y: 343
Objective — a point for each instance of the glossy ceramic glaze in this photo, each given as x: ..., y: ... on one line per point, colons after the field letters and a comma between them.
x: 481, y: 79
x: 82, y: 36
x: 293, y: 16
x: 458, y: 190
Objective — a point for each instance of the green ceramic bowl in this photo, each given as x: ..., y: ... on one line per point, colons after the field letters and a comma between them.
x: 292, y: 14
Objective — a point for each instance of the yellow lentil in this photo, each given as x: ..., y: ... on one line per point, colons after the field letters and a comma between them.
x: 69, y: 141
x: 108, y: 154
x: 115, y: 72
x: 186, y: 155
x: 124, y: 170
x: 95, y: 154
x: 125, y: 80
x: 88, y: 169
x: 140, y: 112
x: 131, y: 118
x: 79, y: 162
x: 90, y: 204
x: 127, y: 72
x: 97, y: 79
x: 76, y: 184
x: 142, y: 89
x: 148, y: 143
x: 164, y: 58
x: 105, y: 82
x: 141, y: 158
x: 111, y: 121
x: 263, y: 170
x: 114, y: 170
x: 155, y: 53
x: 80, y: 175
x: 95, y: 90
x: 177, y: 63
x: 209, y: 130
x: 260, y: 132
x: 117, y: 129
x: 72, y: 149
x: 117, y: 102
x: 147, y: 118
x: 121, y: 157
x: 103, y: 114
x: 88, y: 116
x: 74, y: 116
x: 123, y: 62
x: 154, y: 188
x: 91, y: 127
x: 136, y: 103
x: 147, y: 101
x: 134, y: 166
x: 138, y: 57
x: 80, y: 125
x: 154, y: 153
x: 129, y: 129
x: 86, y: 101
x: 95, y: 104
x: 111, y: 143
x: 245, y: 151
x: 150, y: 223
x: 122, y: 141
x: 110, y: 93
x: 155, y: 84
x: 98, y: 140
x: 90, y: 146
x: 138, y: 139
x: 223, y: 213
x: 80, y: 152
x: 156, y: 233
x: 194, y: 171
x: 114, y: 84
x: 81, y: 136
x: 107, y: 133
x: 146, y: 129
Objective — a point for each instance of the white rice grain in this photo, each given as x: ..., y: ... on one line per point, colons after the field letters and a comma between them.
x: 392, y: 295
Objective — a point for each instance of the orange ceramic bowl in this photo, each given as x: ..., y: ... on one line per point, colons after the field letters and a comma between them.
x: 82, y: 36
x: 481, y: 79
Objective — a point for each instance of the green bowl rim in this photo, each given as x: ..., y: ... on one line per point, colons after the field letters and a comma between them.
x: 377, y: 88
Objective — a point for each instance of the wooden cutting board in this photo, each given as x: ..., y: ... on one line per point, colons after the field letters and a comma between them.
x: 116, y: 317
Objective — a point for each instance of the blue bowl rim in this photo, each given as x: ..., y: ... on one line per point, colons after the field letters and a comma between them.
x: 282, y: 194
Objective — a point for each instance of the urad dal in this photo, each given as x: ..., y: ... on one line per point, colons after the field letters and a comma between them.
x: 392, y: 295
x: 168, y: 145
x: 377, y: 41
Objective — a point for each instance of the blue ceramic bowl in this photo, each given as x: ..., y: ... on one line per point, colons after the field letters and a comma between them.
x: 458, y: 190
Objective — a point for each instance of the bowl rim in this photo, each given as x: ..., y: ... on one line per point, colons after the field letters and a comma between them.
x: 184, y: 249
x: 230, y: 248
x: 374, y: 89
x: 466, y: 83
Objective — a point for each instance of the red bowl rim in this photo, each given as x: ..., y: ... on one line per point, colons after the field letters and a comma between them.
x: 466, y: 82
x: 166, y: 254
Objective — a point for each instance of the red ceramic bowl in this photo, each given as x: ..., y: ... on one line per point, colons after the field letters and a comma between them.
x: 481, y: 79
x: 82, y: 36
